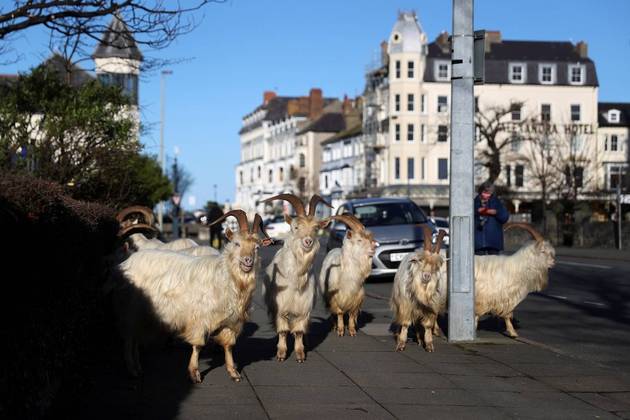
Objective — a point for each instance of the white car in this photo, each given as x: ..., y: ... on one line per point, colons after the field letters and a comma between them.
x: 276, y: 227
x: 441, y: 223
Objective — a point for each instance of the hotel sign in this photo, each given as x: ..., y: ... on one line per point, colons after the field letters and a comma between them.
x: 546, y: 128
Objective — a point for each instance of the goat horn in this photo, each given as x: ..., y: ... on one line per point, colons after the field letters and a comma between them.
x: 535, y: 234
x: 351, y: 221
x: 427, y: 237
x: 240, y: 215
x: 438, y: 242
x: 312, y: 205
x: 258, y: 226
x: 145, y: 211
x: 294, y: 200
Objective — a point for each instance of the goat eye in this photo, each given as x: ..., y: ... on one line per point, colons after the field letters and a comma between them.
x: 237, y: 244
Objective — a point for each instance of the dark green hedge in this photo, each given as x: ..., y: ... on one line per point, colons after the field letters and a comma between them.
x: 54, y: 317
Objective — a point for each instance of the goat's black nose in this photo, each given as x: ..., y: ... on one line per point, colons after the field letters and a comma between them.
x: 308, y: 241
x: 248, y: 260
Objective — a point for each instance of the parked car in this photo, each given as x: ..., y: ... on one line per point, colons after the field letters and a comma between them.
x: 276, y: 227
x: 397, y: 225
x: 441, y: 223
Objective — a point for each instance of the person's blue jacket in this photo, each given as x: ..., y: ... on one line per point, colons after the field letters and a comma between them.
x: 490, y: 233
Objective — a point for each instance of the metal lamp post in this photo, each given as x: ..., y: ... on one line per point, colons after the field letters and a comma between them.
x: 162, y: 164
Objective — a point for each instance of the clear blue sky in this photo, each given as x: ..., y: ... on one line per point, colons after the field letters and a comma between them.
x: 244, y: 47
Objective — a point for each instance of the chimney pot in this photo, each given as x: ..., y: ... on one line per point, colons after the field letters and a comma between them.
x: 492, y: 37
x: 582, y: 49
x: 267, y: 96
x: 384, y: 55
x: 315, y: 103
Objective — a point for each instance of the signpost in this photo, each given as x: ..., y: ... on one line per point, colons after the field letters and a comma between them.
x: 461, y: 319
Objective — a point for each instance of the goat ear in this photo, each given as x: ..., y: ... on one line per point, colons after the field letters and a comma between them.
x: 229, y: 234
x: 324, y: 223
x: 349, y: 234
x: 287, y: 218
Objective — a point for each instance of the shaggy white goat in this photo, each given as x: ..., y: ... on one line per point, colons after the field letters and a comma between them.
x: 289, y: 287
x: 344, y: 271
x: 195, y: 296
x: 504, y: 281
x: 419, y: 292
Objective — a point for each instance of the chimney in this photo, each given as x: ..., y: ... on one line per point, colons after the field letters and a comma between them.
x: 384, y: 55
x: 346, y: 105
x: 315, y: 103
x: 267, y: 96
x: 492, y: 37
x: 443, y: 42
x: 582, y: 49
x: 293, y: 107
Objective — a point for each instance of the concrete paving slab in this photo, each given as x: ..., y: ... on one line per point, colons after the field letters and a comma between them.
x: 534, y: 412
x: 345, y: 411
x: 540, y: 399
x: 187, y: 412
x: 315, y: 374
x: 487, y: 368
x: 587, y: 383
x: 572, y: 368
x: 402, y: 380
x: 461, y: 397
x: 410, y: 411
x: 494, y: 383
x: 314, y: 395
x: 605, y: 401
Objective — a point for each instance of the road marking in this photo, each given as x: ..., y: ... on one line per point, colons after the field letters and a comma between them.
x: 595, y: 303
x: 604, y: 267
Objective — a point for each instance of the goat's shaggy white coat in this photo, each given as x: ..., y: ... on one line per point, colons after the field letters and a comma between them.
x: 419, y: 295
x: 342, y: 276
x: 504, y: 281
x: 195, y: 296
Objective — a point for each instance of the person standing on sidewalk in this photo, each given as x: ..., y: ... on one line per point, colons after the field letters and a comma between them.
x: 490, y: 215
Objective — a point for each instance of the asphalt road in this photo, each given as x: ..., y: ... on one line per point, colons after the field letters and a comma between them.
x: 584, y: 313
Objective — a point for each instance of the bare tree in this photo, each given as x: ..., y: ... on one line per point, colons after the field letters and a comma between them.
x: 75, y: 24
x: 494, y: 137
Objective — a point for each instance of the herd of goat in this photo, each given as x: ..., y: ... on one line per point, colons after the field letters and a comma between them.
x: 198, y: 292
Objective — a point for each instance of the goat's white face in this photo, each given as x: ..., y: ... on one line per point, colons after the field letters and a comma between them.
x: 243, y: 247
x: 547, y: 253
x: 360, y: 243
x: 304, y: 231
x: 427, y: 265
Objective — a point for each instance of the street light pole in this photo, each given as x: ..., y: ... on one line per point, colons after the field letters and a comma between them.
x: 162, y: 158
x: 461, y: 290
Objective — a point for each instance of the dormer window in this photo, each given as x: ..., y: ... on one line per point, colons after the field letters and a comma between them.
x: 442, y: 71
x: 577, y: 74
x: 613, y: 116
x: 517, y: 72
x: 547, y: 74
x: 396, y: 37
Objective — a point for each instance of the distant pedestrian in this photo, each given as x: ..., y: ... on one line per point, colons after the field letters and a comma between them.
x: 614, y: 218
x: 214, y: 212
x: 490, y: 215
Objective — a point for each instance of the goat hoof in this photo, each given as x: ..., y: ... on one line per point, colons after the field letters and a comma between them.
x: 430, y: 348
x: 400, y: 347
x: 353, y: 333
x: 340, y: 333
x: 236, y: 377
x: 512, y: 335
x: 195, y: 376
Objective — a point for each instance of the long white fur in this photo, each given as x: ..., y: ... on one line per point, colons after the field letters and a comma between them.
x: 140, y: 242
x: 341, y: 279
x: 192, y: 296
x: 289, y: 287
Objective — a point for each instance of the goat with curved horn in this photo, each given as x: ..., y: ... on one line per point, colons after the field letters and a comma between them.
x: 312, y: 205
x: 529, y: 228
x: 289, y: 287
x: 344, y: 272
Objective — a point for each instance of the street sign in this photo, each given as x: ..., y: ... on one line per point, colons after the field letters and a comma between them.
x: 479, y: 56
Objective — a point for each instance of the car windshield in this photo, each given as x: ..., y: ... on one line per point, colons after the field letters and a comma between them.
x: 383, y: 214
x: 441, y: 223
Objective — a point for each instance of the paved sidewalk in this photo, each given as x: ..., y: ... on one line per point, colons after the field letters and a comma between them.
x: 362, y: 377
x: 595, y: 253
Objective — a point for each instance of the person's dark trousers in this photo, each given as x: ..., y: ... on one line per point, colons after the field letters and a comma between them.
x: 487, y: 251
x: 215, y: 234
x: 616, y: 234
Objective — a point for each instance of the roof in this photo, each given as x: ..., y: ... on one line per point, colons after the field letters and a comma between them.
x: 330, y: 122
x: 118, y: 42
x: 501, y: 53
x: 624, y: 114
x: 353, y: 131
x: 406, y: 34
x: 66, y: 71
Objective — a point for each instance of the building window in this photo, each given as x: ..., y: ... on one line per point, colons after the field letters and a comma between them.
x: 476, y: 103
x: 410, y: 69
x: 576, y: 74
x: 515, y: 109
x: 302, y: 160
x: 128, y: 83
x: 519, y: 174
x: 397, y: 102
x: 281, y: 175
x: 397, y: 132
x: 615, y: 175
x: 397, y: 168
x: 515, y: 142
x: 578, y: 176
x: 517, y: 72
x: 422, y: 168
x: 508, y: 175
x: 442, y: 104
x: 251, y: 175
x: 423, y: 103
x: 545, y: 112
x: 442, y: 133
x: 547, y: 74
x: 442, y: 71
x: 614, y: 143
x: 613, y: 116
x: 442, y: 168
x: 397, y: 69
x: 240, y: 177
x: 302, y: 185
x: 410, y: 168
x: 410, y: 133
x: 423, y: 132
x: 325, y: 181
x: 575, y: 113
x: 410, y: 102
x: 270, y: 175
